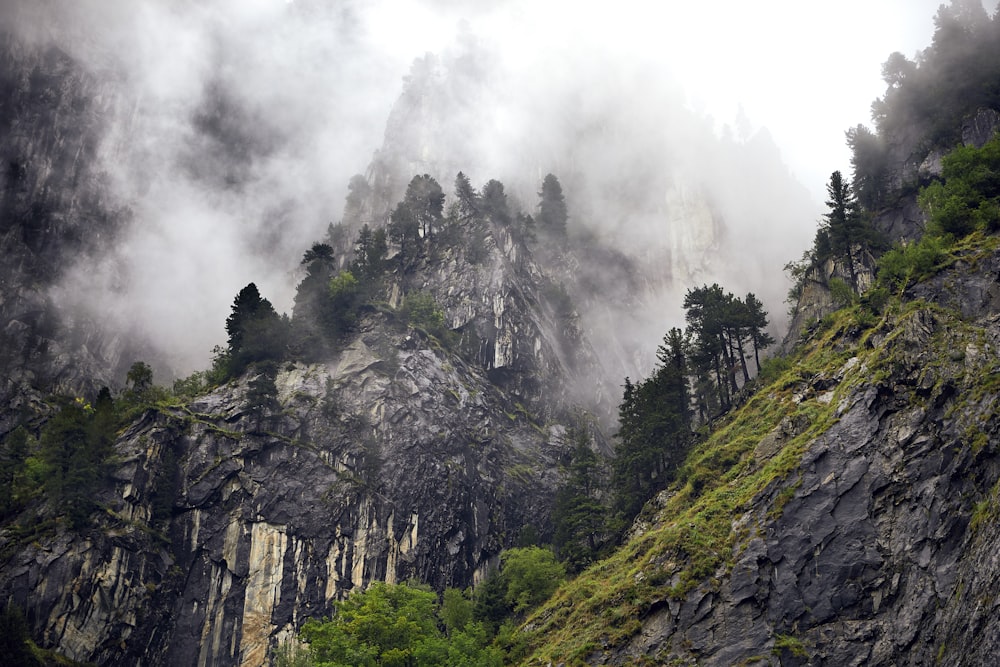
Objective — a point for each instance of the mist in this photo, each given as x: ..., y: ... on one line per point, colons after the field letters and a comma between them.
x: 239, y: 123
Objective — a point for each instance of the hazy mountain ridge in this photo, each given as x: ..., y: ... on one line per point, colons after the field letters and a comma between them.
x: 854, y: 499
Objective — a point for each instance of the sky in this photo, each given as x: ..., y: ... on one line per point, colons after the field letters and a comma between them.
x: 806, y: 70
x: 242, y: 121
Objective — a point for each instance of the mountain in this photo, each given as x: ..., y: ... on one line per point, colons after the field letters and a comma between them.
x: 845, y: 514
x: 420, y: 411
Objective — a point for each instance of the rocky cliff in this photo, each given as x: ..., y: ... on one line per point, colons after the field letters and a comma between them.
x: 853, y: 520
x: 228, y: 524
x: 55, y: 209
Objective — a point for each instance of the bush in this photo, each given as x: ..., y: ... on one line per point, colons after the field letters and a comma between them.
x: 532, y: 574
x: 420, y: 310
x: 390, y: 624
x: 843, y: 294
x: 902, y: 265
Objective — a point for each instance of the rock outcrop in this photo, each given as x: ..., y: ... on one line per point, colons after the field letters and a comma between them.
x: 913, y: 162
x: 229, y: 524
x: 55, y: 209
x: 878, y: 545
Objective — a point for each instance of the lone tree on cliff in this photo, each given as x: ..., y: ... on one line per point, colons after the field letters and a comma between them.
x: 552, y: 215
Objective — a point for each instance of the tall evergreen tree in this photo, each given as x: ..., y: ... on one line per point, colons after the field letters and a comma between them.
x: 494, y: 202
x: 757, y: 319
x: 844, y: 223
x: 468, y: 200
x: 256, y: 331
x: 404, y: 231
x: 578, y: 514
x: 425, y: 199
x: 654, y: 428
x: 552, y: 214
x: 369, y: 253
x: 706, y: 308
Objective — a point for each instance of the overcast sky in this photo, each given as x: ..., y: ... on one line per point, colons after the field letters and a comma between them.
x: 805, y: 69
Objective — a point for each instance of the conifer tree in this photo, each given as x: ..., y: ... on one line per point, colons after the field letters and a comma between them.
x: 654, y: 428
x: 425, y: 199
x: 256, y: 331
x: 369, y: 253
x: 494, y: 202
x: 578, y: 514
x: 468, y: 200
x: 552, y: 214
x: 757, y: 318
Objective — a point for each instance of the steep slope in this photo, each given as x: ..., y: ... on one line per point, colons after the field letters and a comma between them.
x: 228, y: 524
x: 231, y: 518
x: 845, y: 515
x: 55, y: 209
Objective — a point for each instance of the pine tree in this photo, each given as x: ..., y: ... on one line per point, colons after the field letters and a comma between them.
x: 468, y: 200
x: 425, y: 199
x: 757, y: 318
x: 578, y: 514
x: 552, y: 214
x: 256, y: 331
x: 655, y: 427
x: 494, y: 203
x: 369, y: 254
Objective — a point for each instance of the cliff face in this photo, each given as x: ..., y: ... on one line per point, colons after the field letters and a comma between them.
x: 914, y: 162
x: 229, y: 524
x: 55, y: 209
x: 867, y: 530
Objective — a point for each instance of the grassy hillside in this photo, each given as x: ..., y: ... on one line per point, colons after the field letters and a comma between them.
x: 689, y: 536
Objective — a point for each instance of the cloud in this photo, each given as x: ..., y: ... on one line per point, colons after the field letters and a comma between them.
x: 240, y: 123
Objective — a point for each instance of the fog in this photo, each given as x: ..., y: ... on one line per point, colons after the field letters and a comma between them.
x: 701, y: 133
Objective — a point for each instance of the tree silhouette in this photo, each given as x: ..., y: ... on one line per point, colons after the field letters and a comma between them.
x: 552, y: 215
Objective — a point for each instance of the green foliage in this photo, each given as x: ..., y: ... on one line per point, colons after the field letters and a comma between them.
x: 140, y: 377
x: 493, y: 203
x: 468, y: 200
x: 532, y: 574
x: 256, y: 332
x: 292, y: 653
x: 578, y: 515
x: 797, y: 271
x: 654, y: 429
x: 869, y: 158
x: 843, y: 294
x: 791, y: 644
x: 390, y: 624
x: 969, y: 197
x: 343, y: 293
x: 456, y: 610
x: 74, y: 447
x: 951, y: 79
x: 420, y: 310
x: 902, y: 265
x: 425, y: 199
x: 16, y: 485
x: 720, y: 326
x: 369, y: 254
x: 192, y: 385
x: 489, y: 606
x: 773, y: 368
x: 416, y: 219
x: 262, y: 394
x: 15, y: 639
